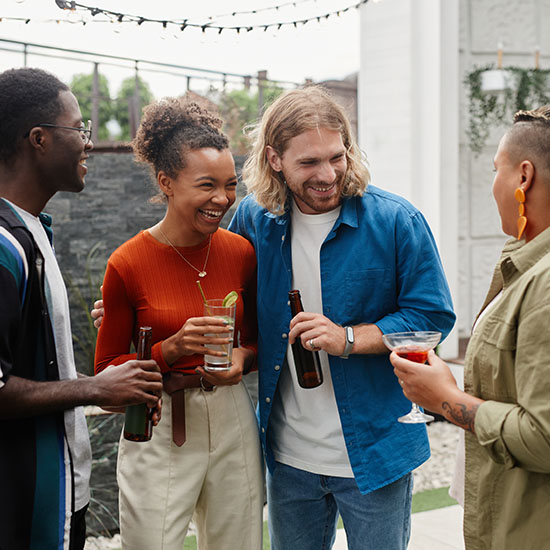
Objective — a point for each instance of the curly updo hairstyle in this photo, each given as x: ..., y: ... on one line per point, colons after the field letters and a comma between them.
x: 169, y: 129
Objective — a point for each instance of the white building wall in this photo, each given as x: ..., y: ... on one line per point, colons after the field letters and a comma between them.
x: 520, y: 26
x: 385, y: 92
x: 409, y: 71
x: 413, y: 115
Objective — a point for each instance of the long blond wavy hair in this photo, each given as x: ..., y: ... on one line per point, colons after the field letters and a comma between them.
x: 290, y: 115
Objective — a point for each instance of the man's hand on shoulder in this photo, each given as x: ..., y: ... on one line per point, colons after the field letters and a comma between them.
x: 97, y: 313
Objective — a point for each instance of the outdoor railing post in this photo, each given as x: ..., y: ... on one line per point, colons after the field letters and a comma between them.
x: 95, y: 100
x: 134, y: 114
x: 262, y: 77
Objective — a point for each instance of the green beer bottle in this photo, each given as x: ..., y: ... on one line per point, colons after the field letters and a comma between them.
x: 138, y: 422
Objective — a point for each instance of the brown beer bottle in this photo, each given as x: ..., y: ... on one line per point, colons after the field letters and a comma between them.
x: 308, y: 365
x: 138, y: 421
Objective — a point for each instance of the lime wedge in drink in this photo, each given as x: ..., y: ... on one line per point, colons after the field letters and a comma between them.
x: 230, y: 299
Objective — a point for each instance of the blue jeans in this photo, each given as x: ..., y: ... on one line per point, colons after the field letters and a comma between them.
x: 304, y: 507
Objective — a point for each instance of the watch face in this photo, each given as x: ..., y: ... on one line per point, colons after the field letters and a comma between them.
x: 349, y: 335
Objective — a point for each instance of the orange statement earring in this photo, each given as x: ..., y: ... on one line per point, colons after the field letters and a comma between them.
x: 519, y: 195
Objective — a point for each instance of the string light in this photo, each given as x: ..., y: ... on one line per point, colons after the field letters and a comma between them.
x: 260, y: 10
x: 73, y: 17
x: 57, y: 20
x: 184, y: 24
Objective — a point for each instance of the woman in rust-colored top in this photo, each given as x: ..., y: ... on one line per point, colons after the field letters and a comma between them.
x: 203, y: 460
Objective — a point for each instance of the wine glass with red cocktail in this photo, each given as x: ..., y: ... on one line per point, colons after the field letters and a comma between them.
x: 413, y: 346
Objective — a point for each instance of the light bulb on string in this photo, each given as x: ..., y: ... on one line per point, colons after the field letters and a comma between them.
x: 164, y: 34
x: 116, y: 27
x: 73, y: 16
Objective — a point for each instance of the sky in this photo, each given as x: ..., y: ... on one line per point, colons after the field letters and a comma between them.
x: 317, y: 50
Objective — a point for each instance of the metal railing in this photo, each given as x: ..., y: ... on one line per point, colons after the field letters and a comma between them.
x: 142, y: 67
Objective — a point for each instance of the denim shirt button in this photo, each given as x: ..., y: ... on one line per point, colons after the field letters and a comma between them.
x: 268, y: 400
x: 277, y: 367
x: 263, y: 430
x: 284, y: 335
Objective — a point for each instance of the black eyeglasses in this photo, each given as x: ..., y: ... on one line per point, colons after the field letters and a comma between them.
x: 85, y: 131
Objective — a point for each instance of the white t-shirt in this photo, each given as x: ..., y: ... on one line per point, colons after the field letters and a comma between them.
x: 307, y: 433
x: 58, y: 307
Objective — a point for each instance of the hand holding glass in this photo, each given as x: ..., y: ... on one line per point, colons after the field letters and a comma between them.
x: 413, y: 346
x: 215, y: 363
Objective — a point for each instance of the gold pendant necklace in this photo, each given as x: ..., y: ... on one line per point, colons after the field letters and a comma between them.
x: 201, y: 273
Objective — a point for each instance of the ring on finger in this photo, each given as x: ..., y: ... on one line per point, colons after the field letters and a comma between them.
x: 311, y: 344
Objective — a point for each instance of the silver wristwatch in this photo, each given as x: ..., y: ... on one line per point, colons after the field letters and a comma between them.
x: 350, y: 340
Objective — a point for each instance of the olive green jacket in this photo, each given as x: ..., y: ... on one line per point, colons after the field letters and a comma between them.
x: 507, y: 484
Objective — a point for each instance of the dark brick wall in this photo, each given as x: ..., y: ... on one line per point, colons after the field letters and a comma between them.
x: 112, y: 208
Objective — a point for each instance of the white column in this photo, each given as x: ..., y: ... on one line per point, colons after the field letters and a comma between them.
x: 408, y: 114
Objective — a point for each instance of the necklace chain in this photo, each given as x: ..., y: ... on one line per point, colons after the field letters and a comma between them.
x: 201, y: 273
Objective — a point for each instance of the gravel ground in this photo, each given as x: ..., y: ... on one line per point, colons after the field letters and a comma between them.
x: 436, y: 472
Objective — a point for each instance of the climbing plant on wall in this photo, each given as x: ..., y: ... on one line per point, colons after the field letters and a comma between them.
x: 494, y: 95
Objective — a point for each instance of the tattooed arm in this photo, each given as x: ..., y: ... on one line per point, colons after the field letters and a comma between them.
x: 462, y: 414
x: 433, y: 387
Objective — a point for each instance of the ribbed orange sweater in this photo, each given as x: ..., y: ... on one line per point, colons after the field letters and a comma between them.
x: 147, y: 284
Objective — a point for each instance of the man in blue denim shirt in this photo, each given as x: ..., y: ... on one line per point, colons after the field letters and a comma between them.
x: 366, y: 264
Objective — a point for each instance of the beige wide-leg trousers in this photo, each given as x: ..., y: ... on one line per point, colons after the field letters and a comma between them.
x: 215, y: 477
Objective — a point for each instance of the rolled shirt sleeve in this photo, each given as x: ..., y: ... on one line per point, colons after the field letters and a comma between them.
x: 518, y: 433
x: 423, y: 296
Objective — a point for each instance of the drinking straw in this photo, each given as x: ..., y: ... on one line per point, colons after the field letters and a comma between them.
x: 204, y: 298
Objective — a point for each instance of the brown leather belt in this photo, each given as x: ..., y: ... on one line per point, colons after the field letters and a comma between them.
x: 174, y: 383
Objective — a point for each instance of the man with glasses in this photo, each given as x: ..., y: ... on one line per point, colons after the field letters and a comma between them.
x: 45, y: 456
x: 85, y: 131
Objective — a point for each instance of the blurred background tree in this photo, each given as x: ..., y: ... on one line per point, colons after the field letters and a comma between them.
x: 81, y: 86
x: 118, y: 116
x: 239, y: 108
x: 123, y: 103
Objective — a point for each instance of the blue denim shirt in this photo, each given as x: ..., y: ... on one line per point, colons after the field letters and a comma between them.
x: 379, y: 264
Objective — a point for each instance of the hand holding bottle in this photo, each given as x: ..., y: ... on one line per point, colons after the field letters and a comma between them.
x: 326, y: 335
x: 307, y: 362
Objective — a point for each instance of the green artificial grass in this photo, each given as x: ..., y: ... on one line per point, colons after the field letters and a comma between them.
x: 431, y: 500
